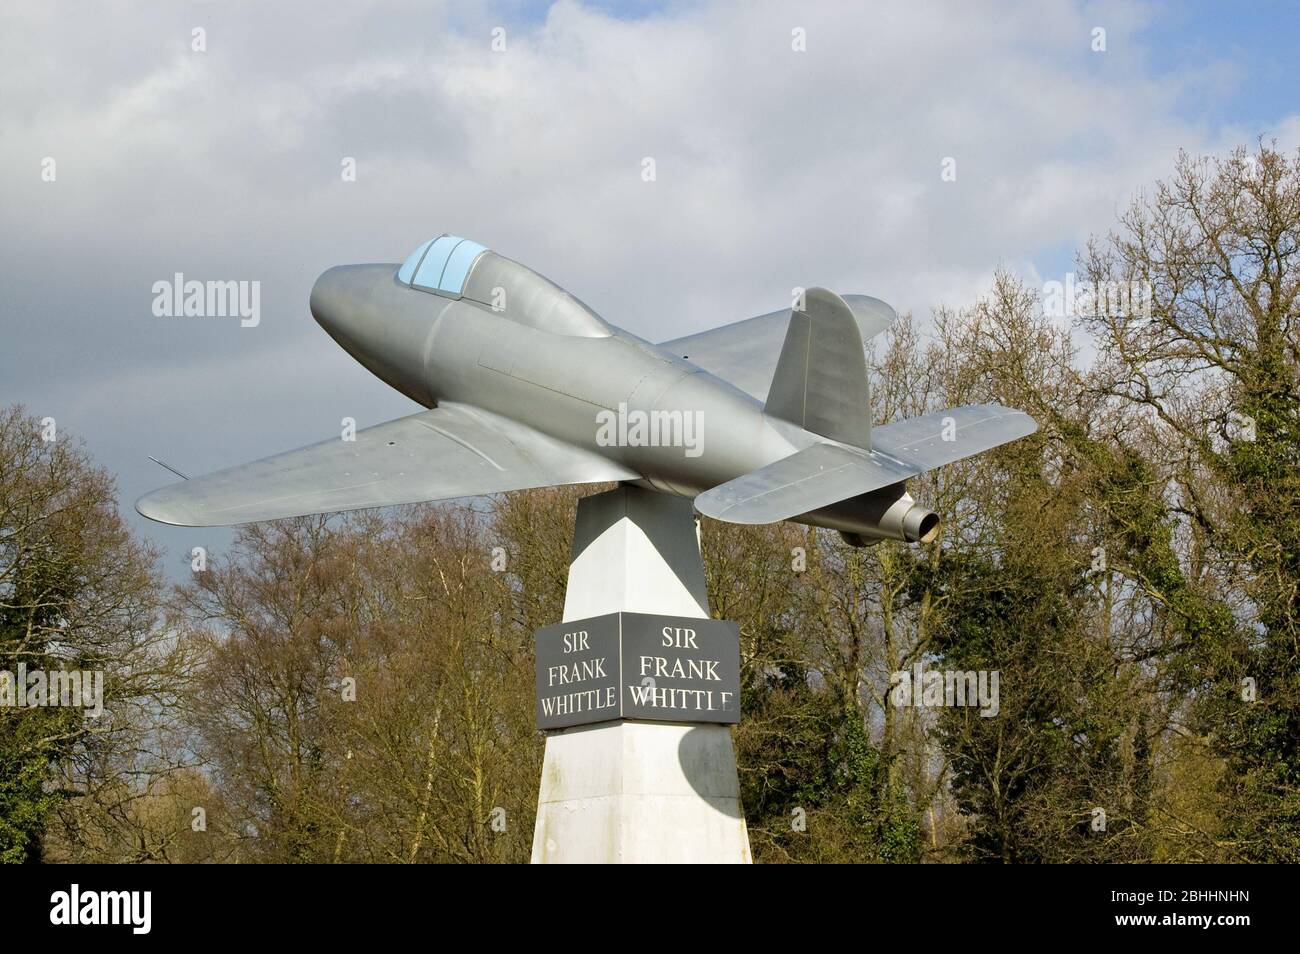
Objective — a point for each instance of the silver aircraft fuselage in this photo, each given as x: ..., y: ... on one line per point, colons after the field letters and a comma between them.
x: 558, y: 379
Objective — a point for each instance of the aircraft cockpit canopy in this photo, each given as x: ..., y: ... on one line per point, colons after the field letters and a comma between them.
x: 458, y: 268
x: 441, y: 265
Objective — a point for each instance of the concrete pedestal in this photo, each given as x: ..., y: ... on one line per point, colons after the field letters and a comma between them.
x: 640, y: 792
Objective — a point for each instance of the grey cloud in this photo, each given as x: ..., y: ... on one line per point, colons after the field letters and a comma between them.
x: 775, y: 169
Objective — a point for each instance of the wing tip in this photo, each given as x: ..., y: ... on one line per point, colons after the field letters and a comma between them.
x: 716, y: 508
x: 708, y: 506
x: 1026, y: 424
x: 1012, y: 414
x: 161, y: 507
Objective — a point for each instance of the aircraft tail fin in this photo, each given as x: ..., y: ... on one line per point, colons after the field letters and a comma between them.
x: 821, y: 377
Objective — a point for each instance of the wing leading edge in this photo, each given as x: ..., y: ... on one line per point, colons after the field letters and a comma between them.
x: 447, y: 452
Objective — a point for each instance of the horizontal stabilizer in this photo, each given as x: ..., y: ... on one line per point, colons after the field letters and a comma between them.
x: 825, y: 474
x: 439, y: 454
x: 745, y: 353
x: 812, y: 478
x: 943, y: 437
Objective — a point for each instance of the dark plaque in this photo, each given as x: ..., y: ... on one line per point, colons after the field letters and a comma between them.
x: 638, y: 666
x: 577, y: 672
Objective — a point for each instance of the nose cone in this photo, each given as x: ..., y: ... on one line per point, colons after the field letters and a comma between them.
x: 329, y: 300
x: 347, y: 301
x: 381, y: 323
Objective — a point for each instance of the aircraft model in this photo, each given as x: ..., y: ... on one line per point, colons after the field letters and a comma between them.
x: 758, y: 421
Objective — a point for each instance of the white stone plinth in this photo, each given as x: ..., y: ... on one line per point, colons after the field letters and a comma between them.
x: 641, y: 792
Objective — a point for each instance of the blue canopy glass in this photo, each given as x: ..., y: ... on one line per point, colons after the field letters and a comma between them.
x: 440, y: 265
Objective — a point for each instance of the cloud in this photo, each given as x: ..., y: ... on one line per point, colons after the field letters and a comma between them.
x: 775, y: 168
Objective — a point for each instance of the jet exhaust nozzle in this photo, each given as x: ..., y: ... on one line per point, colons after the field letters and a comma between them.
x: 876, y: 516
x: 920, y: 525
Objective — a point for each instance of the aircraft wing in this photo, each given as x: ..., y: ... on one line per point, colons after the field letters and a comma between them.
x: 745, y: 353
x: 450, y: 451
x: 824, y: 474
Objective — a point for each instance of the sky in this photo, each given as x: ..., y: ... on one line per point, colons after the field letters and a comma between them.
x: 526, y: 127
